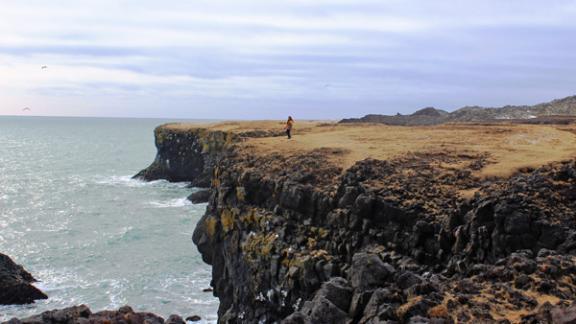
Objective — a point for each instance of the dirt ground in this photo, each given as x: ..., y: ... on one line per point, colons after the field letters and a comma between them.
x: 508, y: 147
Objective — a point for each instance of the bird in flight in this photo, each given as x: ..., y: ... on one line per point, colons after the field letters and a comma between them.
x: 44, y: 67
x: 26, y: 109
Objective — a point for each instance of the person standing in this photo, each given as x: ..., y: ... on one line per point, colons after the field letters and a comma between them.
x: 289, y: 125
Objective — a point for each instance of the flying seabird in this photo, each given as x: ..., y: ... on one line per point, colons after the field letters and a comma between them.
x: 26, y: 109
x: 44, y: 67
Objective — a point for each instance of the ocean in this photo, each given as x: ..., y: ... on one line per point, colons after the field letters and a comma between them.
x: 73, y: 217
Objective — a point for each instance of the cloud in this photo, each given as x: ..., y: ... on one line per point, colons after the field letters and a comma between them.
x: 261, y: 58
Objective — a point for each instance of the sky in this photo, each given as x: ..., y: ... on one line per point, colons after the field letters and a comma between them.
x: 262, y: 59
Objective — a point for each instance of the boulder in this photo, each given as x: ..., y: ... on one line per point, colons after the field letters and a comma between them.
x: 369, y: 271
x: 200, y: 196
x: 323, y: 310
x: 83, y: 315
x: 338, y: 291
x: 174, y: 319
x: 297, y: 318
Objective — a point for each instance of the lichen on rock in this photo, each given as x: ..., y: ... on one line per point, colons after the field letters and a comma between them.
x: 402, y: 244
x: 418, y: 238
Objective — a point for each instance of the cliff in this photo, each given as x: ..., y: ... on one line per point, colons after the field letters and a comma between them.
x: 297, y: 233
x: 185, y: 155
x: 188, y: 153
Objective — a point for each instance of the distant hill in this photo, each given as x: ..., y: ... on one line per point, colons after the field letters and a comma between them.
x: 433, y: 116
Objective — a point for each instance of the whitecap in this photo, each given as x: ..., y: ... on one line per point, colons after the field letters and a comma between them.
x: 122, y: 181
x: 129, y: 181
x: 54, y: 280
x: 178, y: 202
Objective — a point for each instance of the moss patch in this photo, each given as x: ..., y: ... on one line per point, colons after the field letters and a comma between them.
x: 257, y: 245
x: 227, y: 218
x: 210, y: 226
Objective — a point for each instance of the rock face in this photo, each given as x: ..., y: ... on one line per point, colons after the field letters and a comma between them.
x: 189, y: 155
x: 200, y: 196
x: 185, y: 155
x: 16, y: 284
x: 297, y: 239
x: 431, y: 116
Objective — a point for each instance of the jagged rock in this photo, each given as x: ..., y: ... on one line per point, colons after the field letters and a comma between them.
x: 186, y: 156
x: 337, y: 291
x: 200, y: 196
x: 358, y: 304
x: 322, y: 310
x: 16, y: 284
x: 71, y: 314
x: 408, y: 279
x: 381, y: 307
x: 369, y: 271
x: 83, y: 315
x: 297, y: 318
x: 279, y: 228
x: 409, y: 226
x: 174, y: 319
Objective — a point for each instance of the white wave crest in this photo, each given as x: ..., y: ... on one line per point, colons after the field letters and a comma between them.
x: 128, y: 181
x: 178, y: 202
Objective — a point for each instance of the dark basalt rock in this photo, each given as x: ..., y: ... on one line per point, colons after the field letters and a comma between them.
x: 186, y: 155
x: 369, y: 271
x: 297, y: 240
x: 175, y: 319
x: 83, y: 314
x: 200, y: 196
x: 16, y: 284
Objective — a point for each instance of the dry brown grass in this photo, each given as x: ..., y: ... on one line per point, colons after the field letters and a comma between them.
x: 243, y: 126
x: 510, y: 147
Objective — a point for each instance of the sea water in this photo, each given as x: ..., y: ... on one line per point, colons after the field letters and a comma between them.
x: 73, y: 217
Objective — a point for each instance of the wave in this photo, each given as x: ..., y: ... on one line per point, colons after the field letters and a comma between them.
x: 52, y: 280
x: 128, y: 181
x: 178, y: 202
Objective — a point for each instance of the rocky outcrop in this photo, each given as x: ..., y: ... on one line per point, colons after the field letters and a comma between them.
x: 425, y: 116
x: 200, y: 196
x: 560, y: 110
x: 83, y: 314
x: 297, y: 239
x: 16, y: 284
x: 186, y: 155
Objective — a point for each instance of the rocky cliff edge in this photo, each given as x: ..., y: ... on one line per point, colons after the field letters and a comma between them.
x: 418, y: 238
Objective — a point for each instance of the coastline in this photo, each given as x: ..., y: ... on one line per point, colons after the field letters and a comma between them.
x: 366, y: 231
x: 302, y: 236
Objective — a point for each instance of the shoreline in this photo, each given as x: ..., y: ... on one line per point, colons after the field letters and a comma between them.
x: 301, y: 236
x: 340, y: 225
